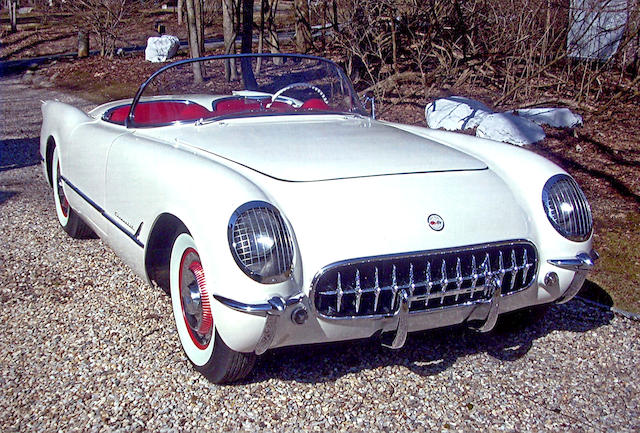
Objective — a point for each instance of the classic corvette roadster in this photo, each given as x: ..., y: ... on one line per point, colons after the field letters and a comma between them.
x: 258, y: 192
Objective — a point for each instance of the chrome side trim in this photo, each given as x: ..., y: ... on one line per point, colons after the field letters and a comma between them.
x: 104, y: 213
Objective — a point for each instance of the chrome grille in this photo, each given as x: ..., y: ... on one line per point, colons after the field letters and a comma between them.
x: 370, y: 287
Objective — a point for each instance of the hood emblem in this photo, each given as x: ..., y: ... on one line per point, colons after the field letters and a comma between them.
x: 435, y: 221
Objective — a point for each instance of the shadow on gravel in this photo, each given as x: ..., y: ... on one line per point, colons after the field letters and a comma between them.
x: 426, y: 353
x: 19, y: 152
x: 6, y: 195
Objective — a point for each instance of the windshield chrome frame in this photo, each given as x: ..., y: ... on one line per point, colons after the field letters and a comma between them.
x: 358, y: 108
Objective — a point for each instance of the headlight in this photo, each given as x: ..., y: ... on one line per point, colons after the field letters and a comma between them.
x: 567, y: 208
x: 260, y: 242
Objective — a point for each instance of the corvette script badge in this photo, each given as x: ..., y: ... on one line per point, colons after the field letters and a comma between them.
x: 435, y: 221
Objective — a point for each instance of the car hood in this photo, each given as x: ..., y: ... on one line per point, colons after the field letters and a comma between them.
x: 297, y: 148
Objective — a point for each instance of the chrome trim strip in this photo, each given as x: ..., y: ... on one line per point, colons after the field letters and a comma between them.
x: 483, y: 271
x: 103, y: 212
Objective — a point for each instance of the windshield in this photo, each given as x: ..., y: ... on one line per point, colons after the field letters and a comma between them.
x: 217, y: 87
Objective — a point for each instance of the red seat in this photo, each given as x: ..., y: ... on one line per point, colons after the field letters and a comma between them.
x: 315, y: 104
x: 159, y: 112
x: 238, y: 105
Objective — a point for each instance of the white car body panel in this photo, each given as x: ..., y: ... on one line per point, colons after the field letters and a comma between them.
x: 347, y: 187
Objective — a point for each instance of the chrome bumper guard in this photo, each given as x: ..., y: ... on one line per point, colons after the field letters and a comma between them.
x: 273, y: 309
x: 581, y: 265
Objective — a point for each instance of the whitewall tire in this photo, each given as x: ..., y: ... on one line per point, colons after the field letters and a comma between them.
x: 69, y: 220
x: 190, y: 299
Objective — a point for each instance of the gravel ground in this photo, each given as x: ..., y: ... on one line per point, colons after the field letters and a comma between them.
x: 87, y: 346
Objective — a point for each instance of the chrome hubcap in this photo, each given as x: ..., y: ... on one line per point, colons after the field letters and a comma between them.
x: 191, y: 299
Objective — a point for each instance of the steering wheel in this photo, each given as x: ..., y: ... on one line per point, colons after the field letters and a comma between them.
x: 298, y: 86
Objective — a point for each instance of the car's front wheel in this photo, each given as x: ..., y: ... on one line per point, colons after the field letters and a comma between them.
x: 69, y: 220
x: 194, y: 320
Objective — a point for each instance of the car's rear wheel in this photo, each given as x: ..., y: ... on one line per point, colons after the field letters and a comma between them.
x: 69, y: 220
x: 194, y: 320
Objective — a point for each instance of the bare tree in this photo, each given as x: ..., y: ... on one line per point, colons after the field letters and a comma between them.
x: 229, y: 32
x: 303, y: 26
x: 194, y: 39
x: 270, y: 26
x: 180, y: 8
x: 103, y: 18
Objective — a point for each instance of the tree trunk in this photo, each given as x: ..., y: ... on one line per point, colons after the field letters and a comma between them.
x: 247, y: 42
x: 272, y: 31
x: 180, y: 8
x: 303, y: 26
x: 228, y: 30
x: 335, y: 15
x: 199, y: 7
x: 13, y: 16
x: 263, y: 7
x: 194, y: 47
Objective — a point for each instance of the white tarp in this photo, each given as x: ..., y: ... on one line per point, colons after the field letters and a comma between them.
x: 508, y: 128
x: 521, y: 126
x: 159, y: 49
x: 596, y: 28
x: 455, y: 112
x: 556, y: 117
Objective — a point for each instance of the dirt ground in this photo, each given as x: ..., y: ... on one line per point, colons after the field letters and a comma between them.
x: 603, y: 155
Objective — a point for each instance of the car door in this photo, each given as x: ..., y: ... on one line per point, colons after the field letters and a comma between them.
x: 85, y: 159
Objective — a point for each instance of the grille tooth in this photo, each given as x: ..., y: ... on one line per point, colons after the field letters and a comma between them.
x: 377, y: 291
x: 427, y: 278
x: 412, y: 285
x: 443, y: 280
x: 358, y: 291
x: 486, y: 273
x: 370, y: 287
x: 514, y: 270
x: 501, y: 270
x: 339, y: 293
x: 474, y: 275
x: 525, y: 263
x: 394, y: 287
x: 459, y: 279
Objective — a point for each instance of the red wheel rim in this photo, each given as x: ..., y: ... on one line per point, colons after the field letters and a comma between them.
x: 193, y: 286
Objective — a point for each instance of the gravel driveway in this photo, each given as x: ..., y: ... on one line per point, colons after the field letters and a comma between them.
x: 87, y: 346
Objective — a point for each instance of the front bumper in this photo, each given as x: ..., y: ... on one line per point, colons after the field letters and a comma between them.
x: 289, y: 323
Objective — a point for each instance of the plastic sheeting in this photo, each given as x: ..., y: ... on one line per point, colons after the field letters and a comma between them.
x: 596, y: 28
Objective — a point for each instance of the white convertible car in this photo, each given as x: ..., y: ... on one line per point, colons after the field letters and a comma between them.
x: 258, y: 192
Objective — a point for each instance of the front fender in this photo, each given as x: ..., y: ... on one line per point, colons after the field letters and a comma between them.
x: 199, y: 190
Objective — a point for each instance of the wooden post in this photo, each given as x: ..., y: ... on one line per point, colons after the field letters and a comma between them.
x: 83, y: 43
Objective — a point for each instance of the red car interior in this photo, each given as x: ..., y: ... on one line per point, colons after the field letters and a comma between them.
x: 161, y: 112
